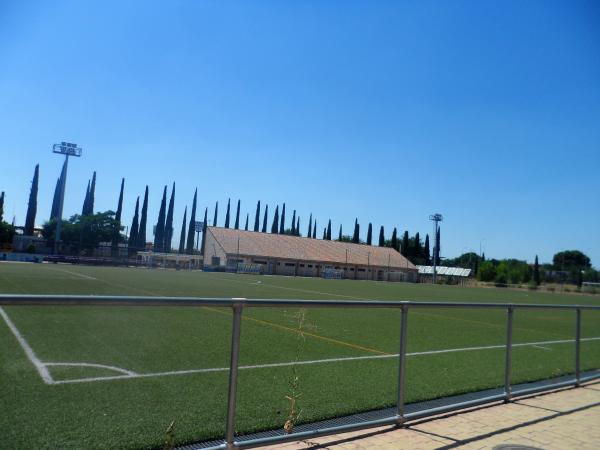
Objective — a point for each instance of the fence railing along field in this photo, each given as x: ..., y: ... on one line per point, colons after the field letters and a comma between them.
x: 401, y: 416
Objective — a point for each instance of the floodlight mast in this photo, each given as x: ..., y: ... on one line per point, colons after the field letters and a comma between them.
x: 436, y: 218
x: 67, y: 149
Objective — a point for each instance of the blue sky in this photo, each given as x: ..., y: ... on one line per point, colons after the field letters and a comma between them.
x: 487, y: 112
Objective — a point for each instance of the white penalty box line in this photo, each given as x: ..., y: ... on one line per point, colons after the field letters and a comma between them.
x: 42, y: 367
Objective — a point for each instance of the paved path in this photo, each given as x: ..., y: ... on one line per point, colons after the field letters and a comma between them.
x: 565, y: 420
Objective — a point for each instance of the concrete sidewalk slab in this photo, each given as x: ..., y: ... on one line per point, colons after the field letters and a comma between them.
x: 565, y: 419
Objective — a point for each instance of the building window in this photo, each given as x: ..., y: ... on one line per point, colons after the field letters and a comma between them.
x: 301, y: 265
x: 216, y: 261
x: 310, y: 265
x: 290, y: 265
x: 361, y: 270
x: 260, y: 262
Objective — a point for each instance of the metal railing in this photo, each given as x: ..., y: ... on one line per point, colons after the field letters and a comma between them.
x: 400, y: 417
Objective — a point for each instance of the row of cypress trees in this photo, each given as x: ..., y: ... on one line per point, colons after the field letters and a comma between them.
x: 411, y: 247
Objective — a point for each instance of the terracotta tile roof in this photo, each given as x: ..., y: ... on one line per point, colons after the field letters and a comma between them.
x: 252, y: 243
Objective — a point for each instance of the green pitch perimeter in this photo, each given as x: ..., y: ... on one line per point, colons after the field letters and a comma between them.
x: 117, y: 377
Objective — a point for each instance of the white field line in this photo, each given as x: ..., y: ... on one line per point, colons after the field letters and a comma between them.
x: 315, y: 361
x: 88, y: 277
x: 99, y: 366
x: 39, y: 365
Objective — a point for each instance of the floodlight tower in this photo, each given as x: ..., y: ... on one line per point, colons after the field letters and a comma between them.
x: 67, y: 149
x: 436, y: 218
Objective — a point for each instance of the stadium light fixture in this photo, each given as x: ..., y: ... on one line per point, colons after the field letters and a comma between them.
x: 436, y: 218
x: 67, y: 149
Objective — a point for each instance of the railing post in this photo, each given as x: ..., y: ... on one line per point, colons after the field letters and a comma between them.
x: 508, y: 360
x: 578, y: 348
x: 233, y: 373
x: 402, y: 363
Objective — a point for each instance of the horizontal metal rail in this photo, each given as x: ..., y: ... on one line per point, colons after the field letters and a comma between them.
x: 109, y: 300
x: 400, y: 417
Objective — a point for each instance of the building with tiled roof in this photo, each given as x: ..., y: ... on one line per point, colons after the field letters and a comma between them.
x: 281, y: 254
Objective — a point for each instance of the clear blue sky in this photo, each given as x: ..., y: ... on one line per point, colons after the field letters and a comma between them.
x: 487, y: 112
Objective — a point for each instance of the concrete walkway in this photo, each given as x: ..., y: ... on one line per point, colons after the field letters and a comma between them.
x: 566, y: 419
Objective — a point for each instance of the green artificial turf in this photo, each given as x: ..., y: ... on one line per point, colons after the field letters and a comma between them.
x: 133, y: 413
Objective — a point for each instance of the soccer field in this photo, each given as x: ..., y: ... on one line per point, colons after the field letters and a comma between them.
x: 116, y: 377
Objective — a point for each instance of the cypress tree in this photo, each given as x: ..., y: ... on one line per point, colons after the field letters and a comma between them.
x: 237, y: 216
x: 282, y: 221
x: 169, y: 222
x: 340, y: 233
x: 369, y: 234
x: 215, y: 215
x: 427, y: 251
x: 325, y: 233
x: 294, y: 223
x: 257, y: 217
x: 417, y: 248
x: 536, y: 272
x: 90, y: 210
x: 204, y: 230
x: 55, y: 200
x: 264, y: 227
x: 298, y: 226
x: 381, y: 237
x: 314, y: 230
x: 247, y: 218
x: 395, y: 239
x: 405, y: 245
x: 328, y: 236
x: 275, y: 225
x: 356, y: 235
x: 117, y: 229
x: 437, y: 247
x: 133, y: 234
x: 310, y: 226
x: 86, y: 200
x: 143, y: 220
x: 192, y: 226
x: 2, y: 206
x: 227, y: 214
x: 182, y: 237
x: 159, y: 235
x: 32, y: 206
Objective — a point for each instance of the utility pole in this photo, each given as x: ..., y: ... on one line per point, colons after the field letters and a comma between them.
x: 436, y: 218
x: 67, y: 149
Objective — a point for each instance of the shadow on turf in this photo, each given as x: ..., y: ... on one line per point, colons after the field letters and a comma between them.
x: 459, y: 442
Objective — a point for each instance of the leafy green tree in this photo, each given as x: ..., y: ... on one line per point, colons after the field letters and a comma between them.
x: 275, y: 225
x: 216, y: 214
x: 282, y: 221
x: 571, y: 259
x: 133, y: 234
x: 237, y: 216
x: 265, y: 218
x: 192, y: 226
x: 417, y: 249
x: 381, y: 237
x: 82, y: 234
x: 227, y: 214
x: 487, y: 271
x: 7, y: 232
x: 169, y: 222
x: 405, y: 245
x: 32, y: 206
x: 370, y: 233
x: 328, y: 233
x: 182, y: 236
x: 159, y: 234
x: 116, y: 238
x: 141, y: 245
x: 257, y: 217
